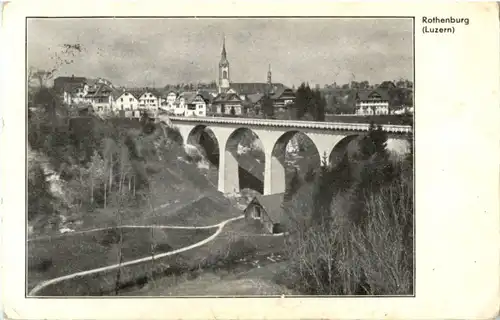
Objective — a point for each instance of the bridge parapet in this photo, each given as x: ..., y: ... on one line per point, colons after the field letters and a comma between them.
x: 327, y: 126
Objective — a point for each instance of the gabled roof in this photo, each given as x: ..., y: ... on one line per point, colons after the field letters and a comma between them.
x: 367, y: 94
x: 153, y: 91
x: 116, y: 92
x: 188, y: 95
x: 279, y: 92
x: 206, y: 95
x: 103, y: 90
x: 61, y: 82
x: 273, y: 205
x: 72, y: 87
x: 223, y: 97
x: 124, y: 91
x: 137, y: 93
x: 255, y: 97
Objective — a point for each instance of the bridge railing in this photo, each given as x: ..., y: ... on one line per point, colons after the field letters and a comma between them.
x: 294, y: 124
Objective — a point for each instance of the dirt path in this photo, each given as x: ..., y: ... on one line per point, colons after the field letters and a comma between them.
x: 129, y: 226
x: 219, y: 227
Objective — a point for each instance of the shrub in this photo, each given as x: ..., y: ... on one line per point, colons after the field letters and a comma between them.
x: 341, y: 257
x: 173, y: 134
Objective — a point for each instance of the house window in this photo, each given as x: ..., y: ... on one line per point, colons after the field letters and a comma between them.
x: 257, y: 212
x: 130, y: 99
x: 121, y: 99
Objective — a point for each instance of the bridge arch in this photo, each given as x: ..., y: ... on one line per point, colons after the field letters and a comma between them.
x: 243, y: 167
x: 307, y: 157
x: 204, y: 138
x: 334, y: 148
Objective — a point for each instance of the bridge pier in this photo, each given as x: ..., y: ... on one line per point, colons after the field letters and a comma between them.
x: 274, y: 174
x: 229, y: 180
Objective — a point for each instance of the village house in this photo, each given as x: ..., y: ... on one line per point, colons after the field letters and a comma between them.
x: 149, y: 101
x: 128, y: 103
x: 282, y: 98
x: 61, y: 83
x: 268, y: 210
x: 71, y: 89
x: 171, y: 100
x: 191, y: 104
x: 374, y: 102
x: 102, y: 97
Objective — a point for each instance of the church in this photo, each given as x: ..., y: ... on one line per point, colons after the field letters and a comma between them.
x: 235, y: 98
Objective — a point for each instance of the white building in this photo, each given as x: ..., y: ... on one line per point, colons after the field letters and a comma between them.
x: 149, y: 101
x: 191, y: 104
x: 372, y: 103
x: 171, y: 99
x: 129, y: 103
x: 102, y: 97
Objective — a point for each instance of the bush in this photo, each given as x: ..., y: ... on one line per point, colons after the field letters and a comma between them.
x: 341, y: 257
x: 173, y: 134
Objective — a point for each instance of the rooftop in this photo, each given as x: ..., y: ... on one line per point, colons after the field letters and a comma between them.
x: 273, y: 204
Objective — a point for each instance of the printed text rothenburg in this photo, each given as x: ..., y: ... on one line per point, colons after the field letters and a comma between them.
x: 447, y: 29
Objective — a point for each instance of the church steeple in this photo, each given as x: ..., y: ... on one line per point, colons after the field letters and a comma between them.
x: 223, y: 54
x: 224, y: 79
x: 269, y: 80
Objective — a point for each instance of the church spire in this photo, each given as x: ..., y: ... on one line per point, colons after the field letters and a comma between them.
x: 223, y: 54
x: 269, y: 80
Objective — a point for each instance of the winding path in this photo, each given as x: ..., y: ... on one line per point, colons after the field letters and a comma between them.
x: 219, y: 227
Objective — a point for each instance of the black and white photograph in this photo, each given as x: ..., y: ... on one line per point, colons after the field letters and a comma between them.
x: 220, y: 156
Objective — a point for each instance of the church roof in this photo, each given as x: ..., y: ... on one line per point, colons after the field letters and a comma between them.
x: 224, y: 97
x: 254, y: 87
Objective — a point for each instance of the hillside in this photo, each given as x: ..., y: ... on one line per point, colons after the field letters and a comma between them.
x: 109, y: 170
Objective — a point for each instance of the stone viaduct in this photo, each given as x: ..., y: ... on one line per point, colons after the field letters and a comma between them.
x: 328, y: 137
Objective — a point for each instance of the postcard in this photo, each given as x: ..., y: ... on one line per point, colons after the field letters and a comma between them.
x: 237, y: 160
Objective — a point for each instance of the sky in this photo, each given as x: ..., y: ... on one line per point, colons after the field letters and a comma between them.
x: 156, y: 52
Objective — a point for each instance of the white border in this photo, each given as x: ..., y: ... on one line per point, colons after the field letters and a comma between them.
x: 457, y: 156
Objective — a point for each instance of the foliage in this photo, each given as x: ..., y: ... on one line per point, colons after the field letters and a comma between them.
x: 309, y: 103
x: 39, y: 195
x: 293, y: 186
x: 352, y: 228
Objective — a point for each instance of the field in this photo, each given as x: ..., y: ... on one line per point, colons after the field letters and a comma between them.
x: 66, y: 254
x: 239, y: 261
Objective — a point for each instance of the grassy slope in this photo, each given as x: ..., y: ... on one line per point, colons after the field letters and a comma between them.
x: 68, y: 254
x: 234, y: 263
